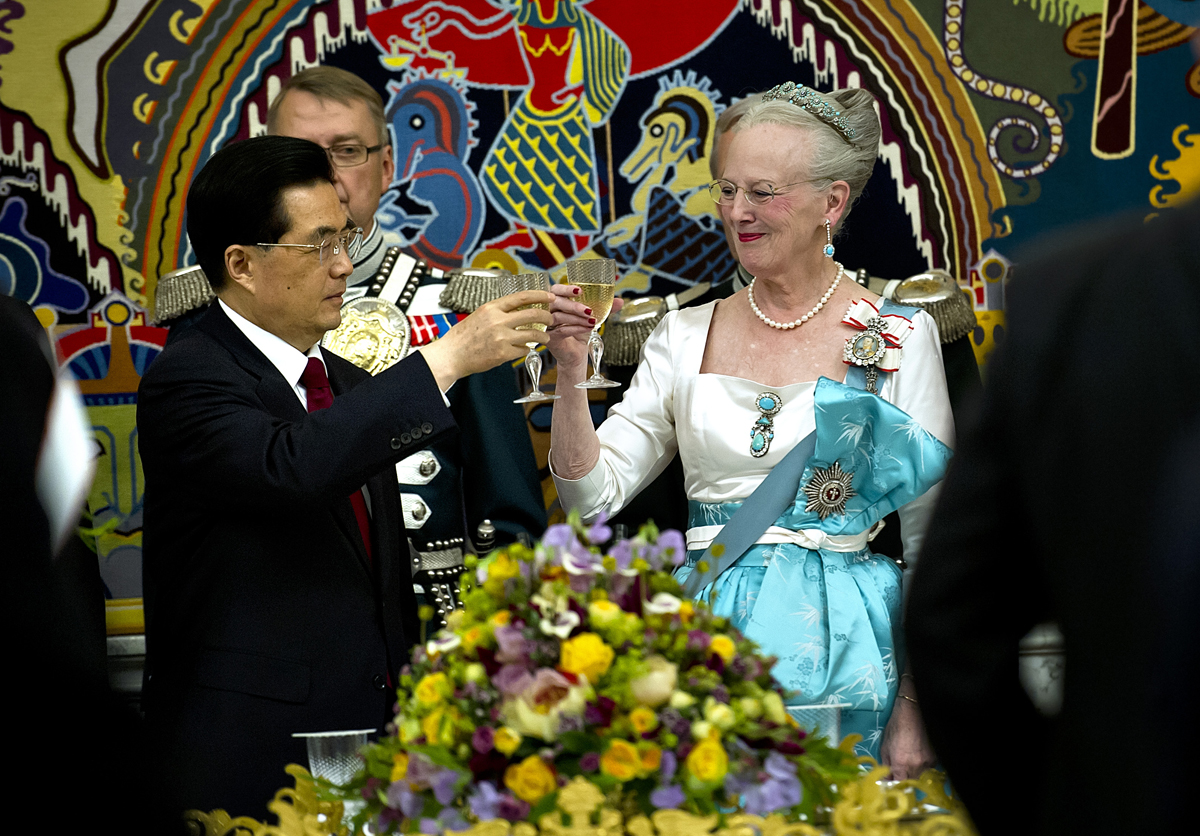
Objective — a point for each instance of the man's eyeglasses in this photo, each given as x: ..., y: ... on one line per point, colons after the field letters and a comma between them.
x: 351, y: 241
x: 759, y: 194
x: 349, y: 156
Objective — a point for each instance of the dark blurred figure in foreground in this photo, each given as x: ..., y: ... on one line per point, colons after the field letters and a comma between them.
x: 1056, y: 508
x: 81, y: 743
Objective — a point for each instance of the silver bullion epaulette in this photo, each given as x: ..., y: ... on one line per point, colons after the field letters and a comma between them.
x: 469, y: 287
x: 628, y: 329
x: 181, y: 291
x: 934, y: 292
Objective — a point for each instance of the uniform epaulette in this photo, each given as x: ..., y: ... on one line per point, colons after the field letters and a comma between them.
x: 629, y: 328
x: 180, y: 292
x: 936, y: 293
x: 468, y: 287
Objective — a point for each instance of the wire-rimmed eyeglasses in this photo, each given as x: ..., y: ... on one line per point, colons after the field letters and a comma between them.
x: 351, y: 240
x: 759, y: 194
x: 350, y: 155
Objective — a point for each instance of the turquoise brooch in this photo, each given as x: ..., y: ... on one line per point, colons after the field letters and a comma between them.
x: 763, y: 431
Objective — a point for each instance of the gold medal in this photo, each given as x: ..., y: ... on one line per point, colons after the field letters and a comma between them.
x: 373, y: 335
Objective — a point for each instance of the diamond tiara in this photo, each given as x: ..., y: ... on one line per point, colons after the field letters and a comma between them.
x: 807, y: 98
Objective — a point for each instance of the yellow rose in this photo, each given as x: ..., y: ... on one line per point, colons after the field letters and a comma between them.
x: 434, y: 688
x: 621, y: 761
x: 681, y: 700
x: 501, y: 569
x: 707, y: 762
x: 530, y: 779
x: 603, y: 613
x: 643, y: 720
x: 719, y: 714
x: 499, y: 619
x: 439, y: 726
x: 722, y: 646
x: 651, y: 757
x: 655, y: 686
x: 586, y: 655
x: 472, y: 637
x: 686, y: 611
x: 751, y: 707
x: 409, y: 729
x: 399, y: 766
x: 773, y: 707
x: 506, y: 740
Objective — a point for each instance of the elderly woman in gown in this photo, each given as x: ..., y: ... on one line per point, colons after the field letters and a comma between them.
x: 734, y: 385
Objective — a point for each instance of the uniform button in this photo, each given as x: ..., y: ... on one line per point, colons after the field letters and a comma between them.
x: 428, y: 465
x: 416, y: 433
x: 397, y: 444
x: 427, y: 428
x: 418, y: 511
x: 405, y: 438
x: 380, y: 682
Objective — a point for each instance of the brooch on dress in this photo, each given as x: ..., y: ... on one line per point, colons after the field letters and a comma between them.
x: 828, y: 490
x: 878, y: 348
x: 763, y: 430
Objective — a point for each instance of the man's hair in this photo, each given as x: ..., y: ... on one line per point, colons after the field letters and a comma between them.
x: 237, y: 198
x: 334, y: 84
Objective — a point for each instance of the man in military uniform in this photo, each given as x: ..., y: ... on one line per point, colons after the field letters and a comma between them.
x: 488, y: 471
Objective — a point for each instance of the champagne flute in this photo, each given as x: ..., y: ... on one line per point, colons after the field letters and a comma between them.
x: 596, y: 277
x: 533, y: 360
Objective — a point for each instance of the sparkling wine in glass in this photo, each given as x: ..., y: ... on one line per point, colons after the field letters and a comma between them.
x: 596, y: 278
x: 533, y: 360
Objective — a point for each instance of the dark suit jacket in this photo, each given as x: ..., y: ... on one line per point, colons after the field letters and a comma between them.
x: 1050, y: 511
x: 264, y: 616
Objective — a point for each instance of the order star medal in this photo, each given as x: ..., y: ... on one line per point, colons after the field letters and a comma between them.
x: 828, y: 490
x: 867, y: 349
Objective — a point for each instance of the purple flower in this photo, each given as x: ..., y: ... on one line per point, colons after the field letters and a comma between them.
x: 599, y: 532
x: 511, y: 808
x: 697, y: 640
x: 667, y: 797
x: 589, y: 762
x: 560, y: 536
x: 482, y: 740
x: 600, y: 712
x: 513, y: 646
x: 721, y: 694
x: 666, y: 769
x: 431, y: 826
x: 622, y: 553
x: 484, y: 801
x: 451, y: 819
x: 401, y: 797
x: 672, y: 546
x: 780, y: 789
x: 512, y: 680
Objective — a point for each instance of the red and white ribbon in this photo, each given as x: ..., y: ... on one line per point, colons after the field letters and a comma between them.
x: 895, y: 332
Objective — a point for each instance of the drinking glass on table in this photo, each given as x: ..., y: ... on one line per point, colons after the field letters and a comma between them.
x: 596, y: 278
x: 533, y: 360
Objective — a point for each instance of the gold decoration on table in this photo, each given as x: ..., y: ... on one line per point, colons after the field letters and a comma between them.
x: 866, y: 808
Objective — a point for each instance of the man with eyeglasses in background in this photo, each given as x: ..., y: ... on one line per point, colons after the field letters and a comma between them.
x: 276, y: 577
x: 489, y: 471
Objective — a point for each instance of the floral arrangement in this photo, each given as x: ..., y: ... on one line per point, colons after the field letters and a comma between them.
x: 567, y: 662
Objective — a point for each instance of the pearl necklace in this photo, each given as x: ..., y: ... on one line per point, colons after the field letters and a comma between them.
x: 787, y: 326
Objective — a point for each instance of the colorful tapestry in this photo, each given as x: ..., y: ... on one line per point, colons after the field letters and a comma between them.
x: 526, y: 132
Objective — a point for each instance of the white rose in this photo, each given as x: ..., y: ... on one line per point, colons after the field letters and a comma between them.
x: 654, y: 688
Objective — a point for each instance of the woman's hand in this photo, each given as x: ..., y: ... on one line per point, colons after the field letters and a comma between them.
x: 905, y: 748
x: 573, y: 321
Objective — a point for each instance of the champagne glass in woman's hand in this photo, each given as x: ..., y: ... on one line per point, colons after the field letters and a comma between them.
x: 533, y: 361
x: 596, y: 277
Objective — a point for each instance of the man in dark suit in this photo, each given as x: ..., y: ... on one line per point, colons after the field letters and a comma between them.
x: 277, y: 591
x: 1053, y: 509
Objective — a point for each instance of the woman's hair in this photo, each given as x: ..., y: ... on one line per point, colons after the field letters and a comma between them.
x: 833, y: 157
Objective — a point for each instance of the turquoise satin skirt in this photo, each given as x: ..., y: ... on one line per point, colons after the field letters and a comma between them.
x: 831, y: 619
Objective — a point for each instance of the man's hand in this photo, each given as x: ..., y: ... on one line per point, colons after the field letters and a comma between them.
x: 488, y: 337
